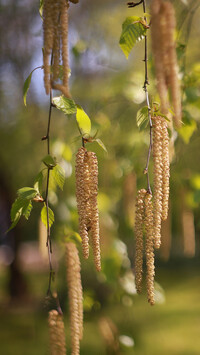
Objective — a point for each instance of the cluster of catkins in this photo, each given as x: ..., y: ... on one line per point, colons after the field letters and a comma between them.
x: 56, y: 324
x: 86, y: 196
x: 150, y: 215
x: 163, y: 25
x: 55, y: 27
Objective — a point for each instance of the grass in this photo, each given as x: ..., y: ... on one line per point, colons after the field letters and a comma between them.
x: 169, y: 328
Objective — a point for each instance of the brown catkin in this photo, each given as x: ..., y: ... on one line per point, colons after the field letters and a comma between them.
x: 139, y: 221
x: 75, y: 296
x: 158, y: 53
x: 165, y: 169
x: 158, y: 174
x: 148, y: 222
x: 94, y: 213
x: 56, y: 41
x: 81, y: 200
x: 48, y: 34
x: 56, y: 333
x: 64, y: 41
x: 172, y: 75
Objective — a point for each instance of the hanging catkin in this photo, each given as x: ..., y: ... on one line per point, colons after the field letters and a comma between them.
x: 158, y: 177
x: 148, y: 223
x: 172, y: 75
x: 56, y: 333
x: 158, y: 53
x: 94, y: 213
x: 139, y: 221
x: 165, y: 169
x: 48, y: 34
x: 86, y: 196
x: 81, y: 199
x: 75, y: 296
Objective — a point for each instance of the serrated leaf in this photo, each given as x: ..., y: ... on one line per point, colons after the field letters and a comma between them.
x: 133, y: 31
x: 27, y: 193
x: 17, y: 206
x: 26, y: 210
x: 44, y: 216
x: 49, y: 161
x: 83, y: 121
x: 14, y: 223
x: 26, y: 86
x: 101, y: 144
x: 64, y: 104
x: 142, y: 118
x: 38, y: 182
x: 59, y: 176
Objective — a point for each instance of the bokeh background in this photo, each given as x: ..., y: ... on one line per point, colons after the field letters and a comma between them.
x: 109, y: 88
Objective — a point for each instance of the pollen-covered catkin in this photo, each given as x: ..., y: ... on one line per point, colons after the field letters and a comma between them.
x: 94, y: 212
x: 82, y: 199
x: 172, y: 66
x: 148, y: 222
x: 165, y: 169
x: 158, y: 177
x: 64, y: 41
x: 139, y: 221
x: 158, y: 53
x: 56, y: 40
x: 56, y: 333
x: 75, y: 296
x: 48, y: 34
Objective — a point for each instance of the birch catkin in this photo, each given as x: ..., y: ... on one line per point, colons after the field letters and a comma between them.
x: 94, y: 213
x: 165, y: 169
x: 86, y: 195
x: 81, y: 199
x: 158, y: 177
x: 139, y: 220
x: 172, y: 61
x: 56, y: 333
x: 148, y: 222
x: 75, y: 296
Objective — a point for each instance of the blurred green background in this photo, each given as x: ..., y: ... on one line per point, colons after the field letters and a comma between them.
x: 109, y: 88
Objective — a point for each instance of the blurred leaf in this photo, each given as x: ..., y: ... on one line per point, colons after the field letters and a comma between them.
x: 74, y: 237
x: 27, y: 193
x: 186, y: 131
x: 26, y: 210
x: 44, y: 216
x: 142, y: 118
x: 41, y: 8
x: 133, y: 30
x: 64, y: 104
x: 26, y: 86
x: 38, y: 183
x: 180, y: 50
x: 101, y: 144
x: 17, y: 207
x: 195, y: 181
x: 15, y: 221
x: 49, y: 161
x: 59, y: 176
x: 197, y: 196
x: 83, y: 122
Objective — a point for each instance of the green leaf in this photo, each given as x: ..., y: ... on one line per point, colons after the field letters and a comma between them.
x: 84, y: 123
x: 101, y: 144
x: 38, y: 183
x: 142, y: 118
x: 133, y: 31
x: 41, y: 8
x: 27, y: 193
x: 49, y: 161
x: 44, y: 216
x: 26, y: 210
x: 26, y: 86
x: 59, y: 176
x: 17, y: 206
x: 64, y: 104
x: 187, y: 131
x: 16, y: 220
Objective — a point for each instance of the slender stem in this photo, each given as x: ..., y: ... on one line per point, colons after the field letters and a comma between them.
x: 146, y: 82
x: 133, y: 4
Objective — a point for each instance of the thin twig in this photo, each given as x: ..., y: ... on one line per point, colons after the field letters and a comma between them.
x: 134, y: 4
x: 146, y: 82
